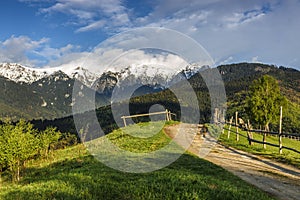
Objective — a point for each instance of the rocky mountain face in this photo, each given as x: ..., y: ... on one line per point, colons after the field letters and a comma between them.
x: 47, y: 93
x: 21, y: 74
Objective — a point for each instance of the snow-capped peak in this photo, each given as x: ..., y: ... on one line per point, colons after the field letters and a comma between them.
x: 155, y: 71
x: 145, y: 73
x: 21, y: 74
x: 81, y: 74
x: 193, y: 69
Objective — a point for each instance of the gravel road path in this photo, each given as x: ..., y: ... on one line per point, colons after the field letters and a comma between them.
x: 280, y: 180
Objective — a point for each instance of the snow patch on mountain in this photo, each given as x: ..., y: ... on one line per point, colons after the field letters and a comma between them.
x: 155, y: 73
x: 81, y: 74
x: 19, y: 73
x: 192, y: 69
x: 151, y: 74
x: 147, y: 74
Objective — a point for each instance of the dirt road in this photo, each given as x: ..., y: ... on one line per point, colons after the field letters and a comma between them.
x: 280, y: 180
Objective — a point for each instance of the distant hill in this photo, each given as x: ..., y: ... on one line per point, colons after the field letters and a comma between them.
x: 237, y: 79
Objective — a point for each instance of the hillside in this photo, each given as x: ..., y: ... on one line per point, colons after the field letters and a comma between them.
x: 237, y: 78
x: 72, y: 173
x: 47, y: 98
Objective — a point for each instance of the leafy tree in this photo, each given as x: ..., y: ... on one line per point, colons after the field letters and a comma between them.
x: 21, y: 142
x: 17, y: 145
x: 3, y: 147
x: 48, y: 138
x: 264, y: 101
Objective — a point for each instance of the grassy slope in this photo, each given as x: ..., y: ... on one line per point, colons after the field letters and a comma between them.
x: 74, y: 174
x: 287, y: 156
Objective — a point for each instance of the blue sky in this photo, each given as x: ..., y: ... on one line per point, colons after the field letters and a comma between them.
x: 42, y: 33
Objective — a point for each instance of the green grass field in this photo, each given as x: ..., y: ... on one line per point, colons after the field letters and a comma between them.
x: 287, y: 156
x: 72, y: 173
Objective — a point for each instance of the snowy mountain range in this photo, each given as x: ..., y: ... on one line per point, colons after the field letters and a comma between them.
x: 21, y: 74
x: 47, y: 93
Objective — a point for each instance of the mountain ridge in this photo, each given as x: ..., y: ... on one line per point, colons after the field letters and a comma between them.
x: 26, y: 75
x: 50, y: 96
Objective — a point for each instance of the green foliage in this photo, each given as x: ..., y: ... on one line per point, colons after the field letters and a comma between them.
x: 21, y: 142
x: 264, y: 101
x: 291, y: 118
x: 47, y: 139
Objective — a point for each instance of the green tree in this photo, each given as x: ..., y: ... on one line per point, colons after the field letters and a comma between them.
x: 17, y: 145
x: 48, y: 138
x: 264, y: 101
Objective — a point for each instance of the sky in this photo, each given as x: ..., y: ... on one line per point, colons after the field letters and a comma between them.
x: 48, y: 33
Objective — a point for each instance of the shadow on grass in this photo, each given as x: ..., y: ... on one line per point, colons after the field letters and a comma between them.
x: 86, y: 178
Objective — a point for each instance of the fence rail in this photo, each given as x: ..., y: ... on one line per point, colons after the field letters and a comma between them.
x: 166, y: 112
x: 250, y: 137
x: 267, y: 132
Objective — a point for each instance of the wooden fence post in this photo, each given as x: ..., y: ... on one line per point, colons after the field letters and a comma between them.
x: 124, y: 120
x: 265, y: 139
x: 170, y: 116
x: 236, y: 125
x: 228, y: 132
x: 250, y: 133
x: 279, y: 133
x: 167, y: 115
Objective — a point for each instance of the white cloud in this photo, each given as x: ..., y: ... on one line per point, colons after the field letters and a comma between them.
x: 91, y: 26
x: 143, y: 46
x: 226, y: 28
x: 14, y: 49
x: 101, y: 60
x: 255, y: 59
x: 55, y: 53
x: 242, y: 18
x: 91, y: 15
x: 226, y: 61
x: 241, y: 29
x: 26, y: 51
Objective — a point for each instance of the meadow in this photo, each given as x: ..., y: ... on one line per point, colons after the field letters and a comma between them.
x: 73, y: 173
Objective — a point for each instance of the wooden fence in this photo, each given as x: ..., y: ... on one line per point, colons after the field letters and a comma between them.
x: 166, y: 112
x: 250, y: 132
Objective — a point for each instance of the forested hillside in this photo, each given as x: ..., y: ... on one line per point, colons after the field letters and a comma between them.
x: 237, y: 79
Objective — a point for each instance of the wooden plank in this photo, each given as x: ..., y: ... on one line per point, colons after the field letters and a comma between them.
x: 237, y: 127
x: 170, y: 116
x: 248, y: 135
x: 146, y: 114
x: 265, y: 140
x: 228, y: 132
x: 167, y: 115
x: 279, y: 133
x: 124, y: 121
